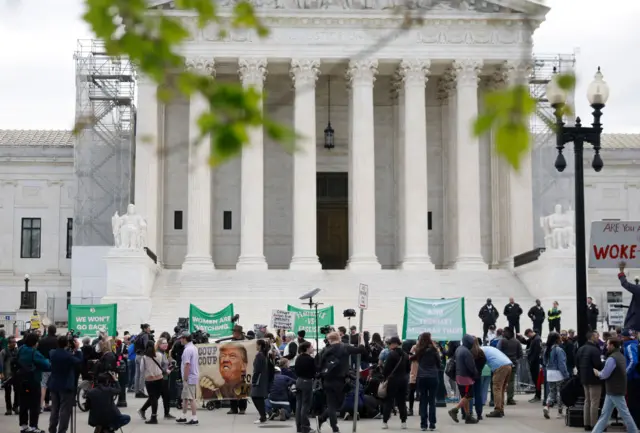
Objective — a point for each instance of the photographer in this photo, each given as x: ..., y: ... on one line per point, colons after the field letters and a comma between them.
x: 62, y: 383
x: 334, y: 368
x: 140, y: 345
x: 8, y: 360
x: 45, y: 346
x: 102, y: 411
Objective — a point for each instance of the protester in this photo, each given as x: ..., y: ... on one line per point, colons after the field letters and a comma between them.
x: 588, y: 359
x: 161, y: 348
x: 426, y: 356
x: 632, y: 319
x: 190, y: 376
x: 305, y: 370
x: 465, y: 373
x: 8, y: 358
x: 396, y: 373
x: 569, y: 346
x: 534, y: 353
x: 153, y: 377
x: 45, y: 346
x: 513, y: 349
x: 62, y: 383
x: 592, y: 314
x: 103, y: 413
x: 260, y: 380
x: 555, y: 360
x: 501, y: 367
x: 630, y: 347
x: 615, y: 376
x: 31, y: 365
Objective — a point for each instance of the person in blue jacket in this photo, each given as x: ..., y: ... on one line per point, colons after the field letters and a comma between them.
x: 62, y: 383
x: 632, y: 320
x: 630, y: 349
x: 131, y: 364
x: 31, y: 364
x: 278, y: 400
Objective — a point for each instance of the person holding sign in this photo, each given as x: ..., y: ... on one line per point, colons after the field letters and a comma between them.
x: 632, y: 320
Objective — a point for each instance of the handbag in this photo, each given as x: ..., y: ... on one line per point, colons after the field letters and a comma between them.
x: 384, y: 385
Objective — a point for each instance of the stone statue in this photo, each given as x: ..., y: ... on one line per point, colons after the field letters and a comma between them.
x: 129, y: 230
x: 558, y: 229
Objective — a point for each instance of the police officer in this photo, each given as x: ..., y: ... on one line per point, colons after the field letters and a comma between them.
x: 553, y: 316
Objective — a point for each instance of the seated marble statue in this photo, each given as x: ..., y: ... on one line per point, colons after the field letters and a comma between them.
x: 129, y: 230
x: 558, y: 229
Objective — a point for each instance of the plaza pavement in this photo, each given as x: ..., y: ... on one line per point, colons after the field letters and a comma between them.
x: 523, y: 418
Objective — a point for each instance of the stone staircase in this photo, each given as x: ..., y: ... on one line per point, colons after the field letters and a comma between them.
x: 255, y: 294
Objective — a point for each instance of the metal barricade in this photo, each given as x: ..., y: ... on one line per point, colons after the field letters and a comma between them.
x: 13, y: 327
x: 524, y: 383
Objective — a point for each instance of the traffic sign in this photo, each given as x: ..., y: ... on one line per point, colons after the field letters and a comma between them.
x: 363, y: 297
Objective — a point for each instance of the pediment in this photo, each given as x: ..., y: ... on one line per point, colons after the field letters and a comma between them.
x: 534, y: 7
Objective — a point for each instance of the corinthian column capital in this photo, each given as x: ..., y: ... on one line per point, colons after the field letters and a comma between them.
x: 201, y: 65
x: 414, y: 72
x: 516, y: 71
x: 362, y: 71
x: 467, y: 71
x: 304, y: 72
x: 252, y: 71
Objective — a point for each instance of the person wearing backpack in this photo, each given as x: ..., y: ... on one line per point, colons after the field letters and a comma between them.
x: 28, y: 377
x: 8, y: 361
x: 140, y: 346
x: 334, y: 368
x: 396, y: 374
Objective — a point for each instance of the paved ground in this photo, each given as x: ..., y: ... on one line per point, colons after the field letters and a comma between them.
x: 523, y: 418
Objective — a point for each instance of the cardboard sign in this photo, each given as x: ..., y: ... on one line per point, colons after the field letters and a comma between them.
x: 363, y: 297
x: 613, y: 242
x: 282, y: 319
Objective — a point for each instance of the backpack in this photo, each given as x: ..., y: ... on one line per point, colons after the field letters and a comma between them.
x: 25, y: 375
x: 330, y: 366
x: 450, y: 369
x: 139, y: 345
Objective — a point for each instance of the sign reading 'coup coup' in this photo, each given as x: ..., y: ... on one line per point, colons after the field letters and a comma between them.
x: 443, y: 318
x: 613, y: 242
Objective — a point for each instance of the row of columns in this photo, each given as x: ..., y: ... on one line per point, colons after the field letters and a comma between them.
x: 458, y: 92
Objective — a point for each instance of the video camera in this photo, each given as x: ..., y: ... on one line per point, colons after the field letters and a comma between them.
x: 72, y: 336
x: 326, y: 330
x: 200, y: 337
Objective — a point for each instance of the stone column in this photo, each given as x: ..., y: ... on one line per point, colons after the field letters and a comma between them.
x: 253, y: 72
x: 362, y: 167
x: 304, y: 73
x: 520, y: 183
x: 443, y: 97
x: 8, y: 189
x: 414, y: 74
x: 147, y: 174
x: 199, y: 218
x: 452, y: 169
x: 51, y: 247
x: 468, y: 167
x: 397, y: 95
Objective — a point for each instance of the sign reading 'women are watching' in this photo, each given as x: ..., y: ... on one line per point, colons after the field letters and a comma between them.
x: 613, y: 242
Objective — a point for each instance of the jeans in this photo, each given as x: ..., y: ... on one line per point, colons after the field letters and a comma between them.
x: 165, y: 396
x: 270, y: 407
x: 617, y: 401
x: 396, y: 397
x: 132, y: 371
x: 412, y: 395
x: 139, y: 383
x: 500, y: 384
x: 515, y: 325
x: 485, y: 381
x: 154, y: 390
x: 477, y: 399
x: 120, y: 421
x: 61, y: 407
x: 30, y: 405
x: 427, y: 389
x: 534, y: 370
x: 334, y: 394
x: 554, y: 394
x: 633, y: 397
x: 260, y: 405
x: 592, y: 394
x: 304, y: 395
x: 8, y: 387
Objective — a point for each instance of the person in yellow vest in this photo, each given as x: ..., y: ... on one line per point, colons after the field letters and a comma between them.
x: 554, y: 316
x: 35, y: 320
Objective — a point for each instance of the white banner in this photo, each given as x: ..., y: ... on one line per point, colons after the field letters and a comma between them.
x: 283, y: 319
x: 613, y: 242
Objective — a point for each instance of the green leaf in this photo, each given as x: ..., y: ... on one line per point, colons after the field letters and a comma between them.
x: 512, y: 140
x: 484, y: 123
x: 566, y: 81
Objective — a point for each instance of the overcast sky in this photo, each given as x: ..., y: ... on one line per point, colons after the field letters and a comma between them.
x: 38, y: 39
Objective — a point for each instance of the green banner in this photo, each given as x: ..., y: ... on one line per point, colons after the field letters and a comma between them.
x: 217, y: 325
x: 443, y: 318
x: 306, y: 320
x: 90, y: 320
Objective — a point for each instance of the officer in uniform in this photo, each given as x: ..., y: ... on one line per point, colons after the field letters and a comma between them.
x: 553, y: 316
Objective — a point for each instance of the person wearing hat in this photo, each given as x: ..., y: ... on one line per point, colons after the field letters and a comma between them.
x: 396, y: 373
x: 489, y: 315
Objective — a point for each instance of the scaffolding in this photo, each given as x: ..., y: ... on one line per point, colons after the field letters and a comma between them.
x: 104, y: 149
x: 550, y: 187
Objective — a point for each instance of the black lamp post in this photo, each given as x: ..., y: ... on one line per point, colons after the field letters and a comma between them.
x: 329, y: 139
x: 597, y: 94
x: 26, y: 283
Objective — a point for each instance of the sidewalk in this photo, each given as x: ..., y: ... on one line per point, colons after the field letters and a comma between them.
x: 523, y: 418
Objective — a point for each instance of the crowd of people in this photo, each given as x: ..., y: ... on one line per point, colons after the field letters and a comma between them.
x: 290, y: 379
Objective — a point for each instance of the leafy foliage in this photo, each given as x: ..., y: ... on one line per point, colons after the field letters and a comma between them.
x: 152, y: 40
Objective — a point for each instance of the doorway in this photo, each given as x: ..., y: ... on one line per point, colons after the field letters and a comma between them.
x: 332, y: 195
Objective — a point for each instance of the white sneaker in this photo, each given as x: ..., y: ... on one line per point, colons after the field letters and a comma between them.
x: 259, y: 421
x: 403, y: 426
x: 385, y: 426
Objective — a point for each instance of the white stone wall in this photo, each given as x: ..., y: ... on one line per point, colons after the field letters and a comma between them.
x: 35, y: 183
x: 278, y: 172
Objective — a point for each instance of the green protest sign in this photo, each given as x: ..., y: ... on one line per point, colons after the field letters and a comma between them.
x: 306, y: 320
x: 217, y: 324
x: 443, y: 318
x: 90, y: 320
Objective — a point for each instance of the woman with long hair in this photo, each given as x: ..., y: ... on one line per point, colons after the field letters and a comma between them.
x: 555, y: 359
x: 426, y: 355
x: 480, y: 360
x: 151, y: 367
x: 162, y: 348
x: 260, y: 379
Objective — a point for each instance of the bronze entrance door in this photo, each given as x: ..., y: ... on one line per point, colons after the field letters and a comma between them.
x: 332, y: 220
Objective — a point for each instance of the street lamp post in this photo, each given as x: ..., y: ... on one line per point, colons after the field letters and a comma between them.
x: 597, y: 94
x: 26, y: 283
